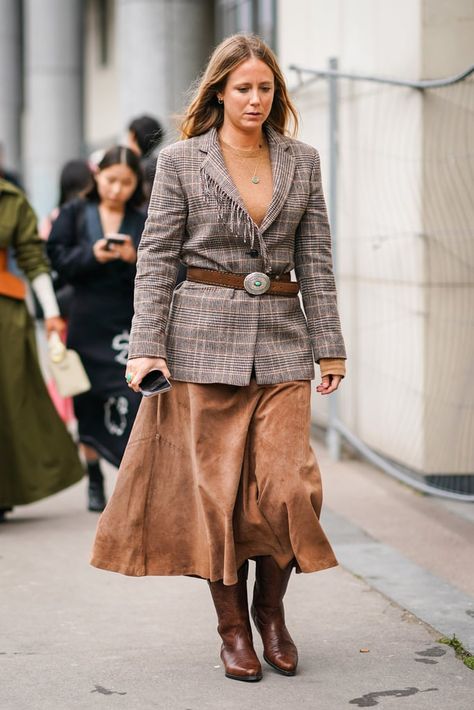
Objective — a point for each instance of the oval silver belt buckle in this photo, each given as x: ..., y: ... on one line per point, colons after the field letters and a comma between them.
x: 256, y: 283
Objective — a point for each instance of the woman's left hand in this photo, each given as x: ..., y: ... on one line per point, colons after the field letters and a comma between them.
x: 54, y: 325
x: 126, y: 251
x: 329, y: 383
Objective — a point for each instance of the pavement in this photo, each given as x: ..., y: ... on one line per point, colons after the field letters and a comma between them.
x: 368, y: 631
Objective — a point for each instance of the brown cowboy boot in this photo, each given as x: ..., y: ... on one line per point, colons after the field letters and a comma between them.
x: 271, y: 582
x: 237, y: 652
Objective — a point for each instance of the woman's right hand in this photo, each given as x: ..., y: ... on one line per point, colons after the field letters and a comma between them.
x: 102, y: 254
x: 141, y: 366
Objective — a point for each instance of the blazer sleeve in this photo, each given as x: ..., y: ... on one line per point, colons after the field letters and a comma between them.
x: 72, y: 258
x: 27, y: 244
x: 314, y: 271
x: 158, y: 261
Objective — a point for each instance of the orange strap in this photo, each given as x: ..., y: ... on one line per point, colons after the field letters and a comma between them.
x: 10, y: 285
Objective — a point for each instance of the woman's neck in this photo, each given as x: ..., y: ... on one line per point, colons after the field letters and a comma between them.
x: 241, y: 139
x: 113, y: 209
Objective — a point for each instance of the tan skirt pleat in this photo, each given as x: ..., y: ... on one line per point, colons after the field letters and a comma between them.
x: 213, y: 475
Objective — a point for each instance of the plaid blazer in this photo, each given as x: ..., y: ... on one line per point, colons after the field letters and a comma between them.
x: 217, y: 334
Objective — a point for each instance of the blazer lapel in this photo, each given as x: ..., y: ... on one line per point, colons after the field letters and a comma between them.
x: 216, y: 179
x: 214, y: 165
x: 283, y: 170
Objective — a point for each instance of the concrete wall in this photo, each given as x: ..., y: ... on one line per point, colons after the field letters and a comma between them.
x: 53, y: 96
x: 156, y: 49
x: 392, y: 397
x: 102, y: 125
x: 10, y: 82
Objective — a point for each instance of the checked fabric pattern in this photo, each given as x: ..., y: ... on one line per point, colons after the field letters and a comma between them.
x: 216, y: 334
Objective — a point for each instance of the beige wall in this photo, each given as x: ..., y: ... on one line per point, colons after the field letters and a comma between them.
x: 394, y: 308
x: 448, y: 216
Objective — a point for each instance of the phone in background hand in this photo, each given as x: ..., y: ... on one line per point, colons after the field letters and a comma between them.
x: 153, y: 383
x: 114, y: 239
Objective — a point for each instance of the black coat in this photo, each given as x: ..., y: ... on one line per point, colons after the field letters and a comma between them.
x: 102, y: 305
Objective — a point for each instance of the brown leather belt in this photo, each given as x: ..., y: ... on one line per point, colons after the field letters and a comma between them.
x: 256, y: 283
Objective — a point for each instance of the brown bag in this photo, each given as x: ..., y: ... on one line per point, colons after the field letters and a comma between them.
x: 10, y: 285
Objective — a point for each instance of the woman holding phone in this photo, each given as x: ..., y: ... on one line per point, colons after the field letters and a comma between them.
x: 219, y: 470
x: 93, y: 246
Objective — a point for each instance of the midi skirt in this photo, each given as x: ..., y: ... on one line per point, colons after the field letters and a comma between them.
x: 213, y: 475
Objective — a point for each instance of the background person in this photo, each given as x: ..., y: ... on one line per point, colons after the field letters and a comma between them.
x: 144, y: 136
x: 102, y: 274
x: 37, y: 455
x: 219, y: 470
x: 76, y: 180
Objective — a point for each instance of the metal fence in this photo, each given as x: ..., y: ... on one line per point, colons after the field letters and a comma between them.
x: 448, y: 486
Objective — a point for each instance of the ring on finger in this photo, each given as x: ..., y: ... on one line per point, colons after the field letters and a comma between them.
x: 128, y: 377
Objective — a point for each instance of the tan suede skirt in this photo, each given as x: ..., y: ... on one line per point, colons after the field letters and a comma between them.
x: 213, y: 475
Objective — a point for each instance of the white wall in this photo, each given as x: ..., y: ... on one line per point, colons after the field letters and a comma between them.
x: 390, y: 398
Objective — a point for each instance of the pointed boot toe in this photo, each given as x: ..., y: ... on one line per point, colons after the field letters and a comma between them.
x: 284, y: 663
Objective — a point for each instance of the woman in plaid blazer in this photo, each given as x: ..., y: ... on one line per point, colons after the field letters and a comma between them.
x: 219, y: 470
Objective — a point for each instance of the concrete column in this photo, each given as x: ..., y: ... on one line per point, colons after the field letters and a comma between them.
x: 161, y: 47
x: 10, y: 81
x: 53, y: 128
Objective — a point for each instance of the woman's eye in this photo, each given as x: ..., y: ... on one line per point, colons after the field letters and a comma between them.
x: 243, y: 90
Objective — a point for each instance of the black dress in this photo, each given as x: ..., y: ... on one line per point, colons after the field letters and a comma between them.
x: 99, y: 323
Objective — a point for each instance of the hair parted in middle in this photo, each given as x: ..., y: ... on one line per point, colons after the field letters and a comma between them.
x: 205, y: 112
x: 121, y: 155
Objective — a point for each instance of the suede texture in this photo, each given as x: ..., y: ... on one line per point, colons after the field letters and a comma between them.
x: 213, y: 475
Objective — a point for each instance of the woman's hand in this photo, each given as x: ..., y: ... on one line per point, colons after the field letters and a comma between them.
x: 102, y: 254
x: 329, y: 383
x: 54, y: 325
x: 126, y: 251
x: 141, y: 366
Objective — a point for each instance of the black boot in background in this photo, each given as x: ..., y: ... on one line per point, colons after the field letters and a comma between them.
x: 3, y: 512
x: 96, y: 493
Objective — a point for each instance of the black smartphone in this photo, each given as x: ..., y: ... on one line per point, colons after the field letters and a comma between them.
x: 114, y: 239
x: 153, y: 383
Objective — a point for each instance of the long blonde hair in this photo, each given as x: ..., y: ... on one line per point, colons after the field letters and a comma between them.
x: 204, y: 112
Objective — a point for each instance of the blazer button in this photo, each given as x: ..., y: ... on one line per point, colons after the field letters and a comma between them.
x: 253, y: 253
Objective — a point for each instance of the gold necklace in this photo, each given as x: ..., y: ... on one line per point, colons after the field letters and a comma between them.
x: 255, y: 179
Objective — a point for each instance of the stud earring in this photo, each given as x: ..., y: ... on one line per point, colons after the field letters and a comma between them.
x: 220, y: 101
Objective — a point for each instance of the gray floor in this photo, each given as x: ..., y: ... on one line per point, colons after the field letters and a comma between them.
x: 75, y: 637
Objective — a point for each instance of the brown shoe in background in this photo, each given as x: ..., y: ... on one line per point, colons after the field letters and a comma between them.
x: 279, y: 650
x: 237, y: 652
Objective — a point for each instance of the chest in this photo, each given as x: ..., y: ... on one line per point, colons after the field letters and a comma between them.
x: 222, y: 209
x: 110, y: 221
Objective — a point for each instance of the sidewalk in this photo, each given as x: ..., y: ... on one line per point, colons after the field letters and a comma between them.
x: 75, y: 637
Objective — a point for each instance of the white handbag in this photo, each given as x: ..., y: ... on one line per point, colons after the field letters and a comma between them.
x: 66, y: 368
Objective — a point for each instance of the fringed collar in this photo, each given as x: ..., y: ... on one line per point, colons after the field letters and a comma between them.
x: 217, y: 183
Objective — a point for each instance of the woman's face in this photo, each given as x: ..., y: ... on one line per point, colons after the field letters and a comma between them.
x: 116, y: 184
x: 248, y: 95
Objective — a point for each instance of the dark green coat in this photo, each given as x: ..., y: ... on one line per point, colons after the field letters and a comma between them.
x: 37, y: 455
